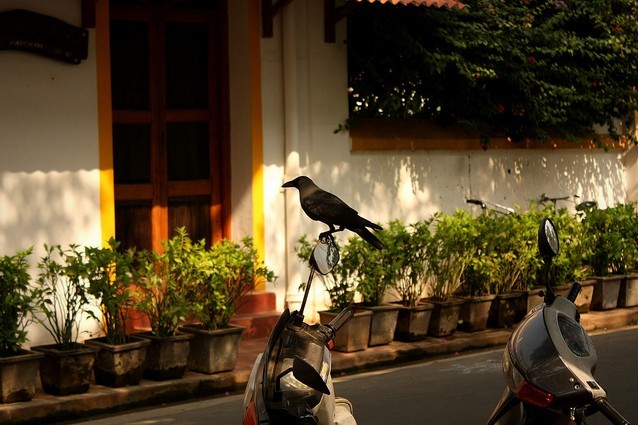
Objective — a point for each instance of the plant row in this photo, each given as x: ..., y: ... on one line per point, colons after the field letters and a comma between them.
x: 459, y: 254
x: 186, y: 278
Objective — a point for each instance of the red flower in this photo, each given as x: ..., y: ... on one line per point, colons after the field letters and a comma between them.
x: 501, y: 108
x: 594, y: 83
x: 531, y: 59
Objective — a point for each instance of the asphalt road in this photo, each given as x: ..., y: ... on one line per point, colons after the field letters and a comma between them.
x: 457, y: 390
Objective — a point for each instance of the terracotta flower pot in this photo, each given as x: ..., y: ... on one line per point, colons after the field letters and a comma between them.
x: 213, y: 351
x: 606, y: 290
x: 18, y: 376
x: 382, y: 324
x: 628, y: 293
x: 475, y: 312
x: 65, y: 372
x: 166, y: 356
x: 119, y: 365
x: 413, y: 322
x: 445, y: 316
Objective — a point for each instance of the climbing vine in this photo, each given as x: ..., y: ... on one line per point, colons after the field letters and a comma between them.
x: 517, y: 69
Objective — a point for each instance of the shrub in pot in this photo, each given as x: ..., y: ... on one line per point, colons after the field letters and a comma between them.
x: 454, y: 244
x: 121, y: 358
x: 355, y: 334
x: 163, y: 292
x: 611, y: 234
x: 226, y: 272
x: 374, y: 271
x: 407, y: 246
x: 61, y: 296
x: 18, y: 367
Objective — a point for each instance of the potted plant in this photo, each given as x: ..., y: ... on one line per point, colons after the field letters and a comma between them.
x: 373, y: 270
x: 516, y: 265
x: 121, y: 358
x: 61, y: 297
x: 355, y: 334
x: 163, y: 292
x: 477, y: 285
x: 407, y: 246
x: 613, y: 252
x: 18, y: 367
x: 450, y: 253
x: 227, y: 272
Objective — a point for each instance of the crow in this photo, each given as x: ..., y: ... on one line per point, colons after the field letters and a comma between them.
x: 327, y: 208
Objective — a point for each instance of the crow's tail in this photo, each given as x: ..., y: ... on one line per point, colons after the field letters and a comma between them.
x: 367, y: 236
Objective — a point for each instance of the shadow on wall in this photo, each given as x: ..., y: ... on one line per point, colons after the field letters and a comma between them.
x: 52, y: 207
x: 413, y: 185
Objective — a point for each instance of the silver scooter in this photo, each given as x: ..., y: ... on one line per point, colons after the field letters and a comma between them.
x: 549, y: 361
x: 290, y: 381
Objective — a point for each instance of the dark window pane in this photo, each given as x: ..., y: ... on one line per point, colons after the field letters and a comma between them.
x: 129, y: 65
x: 188, y: 154
x: 133, y: 224
x: 132, y: 153
x: 186, y: 66
x: 192, y: 213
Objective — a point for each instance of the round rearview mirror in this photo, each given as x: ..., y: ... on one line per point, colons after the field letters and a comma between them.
x: 325, y: 255
x: 548, y: 239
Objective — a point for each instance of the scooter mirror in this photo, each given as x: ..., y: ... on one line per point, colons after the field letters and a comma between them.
x: 548, y: 239
x: 325, y: 255
x: 307, y: 375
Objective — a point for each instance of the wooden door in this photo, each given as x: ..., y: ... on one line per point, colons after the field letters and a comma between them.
x: 170, y: 131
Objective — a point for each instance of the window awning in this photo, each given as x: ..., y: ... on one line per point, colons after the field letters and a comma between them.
x: 333, y: 14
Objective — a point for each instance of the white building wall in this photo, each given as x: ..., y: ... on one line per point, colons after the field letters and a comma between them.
x: 49, y: 173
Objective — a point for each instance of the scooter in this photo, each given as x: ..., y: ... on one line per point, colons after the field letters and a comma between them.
x: 549, y: 360
x: 290, y: 381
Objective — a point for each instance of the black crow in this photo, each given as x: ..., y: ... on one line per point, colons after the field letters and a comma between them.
x: 323, y: 206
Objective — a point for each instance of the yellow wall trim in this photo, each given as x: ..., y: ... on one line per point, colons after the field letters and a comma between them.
x: 254, y: 43
x: 105, y: 121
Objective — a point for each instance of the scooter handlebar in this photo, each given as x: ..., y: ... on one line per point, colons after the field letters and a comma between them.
x: 341, y: 319
x: 610, y: 413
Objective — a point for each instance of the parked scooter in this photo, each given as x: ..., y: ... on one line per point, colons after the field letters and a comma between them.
x: 550, y: 360
x: 290, y: 381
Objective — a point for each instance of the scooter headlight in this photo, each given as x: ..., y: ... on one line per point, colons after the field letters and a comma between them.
x: 523, y: 389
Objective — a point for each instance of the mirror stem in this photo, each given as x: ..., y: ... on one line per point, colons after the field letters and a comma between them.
x: 307, y: 291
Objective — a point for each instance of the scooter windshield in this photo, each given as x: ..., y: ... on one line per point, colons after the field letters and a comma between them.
x: 535, y: 356
x: 574, y: 336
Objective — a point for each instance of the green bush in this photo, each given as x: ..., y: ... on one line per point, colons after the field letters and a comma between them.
x: 516, y: 69
x: 16, y: 303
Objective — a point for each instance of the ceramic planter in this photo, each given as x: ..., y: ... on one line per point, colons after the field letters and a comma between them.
x: 583, y: 300
x: 65, y: 372
x: 507, y: 309
x: 532, y: 297
x: 606, y: 289
x: 382, y: 324
x: 628, y: 293
x: 475, y: 312
x: 413, y: 322
x: 119, y: 365
x: 445, y: 316
x: 166, y: 356
x: 354, y: 335
x: 213, y: 351
x: 18, y: 376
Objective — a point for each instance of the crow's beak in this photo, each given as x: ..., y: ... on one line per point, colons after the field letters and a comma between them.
x: 291, y: 183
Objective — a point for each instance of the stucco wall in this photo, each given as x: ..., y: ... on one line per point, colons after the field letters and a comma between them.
x: 49, y: 177
x: 305, y: 98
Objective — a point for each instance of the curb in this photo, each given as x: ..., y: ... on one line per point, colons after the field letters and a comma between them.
x: 45, y: 408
